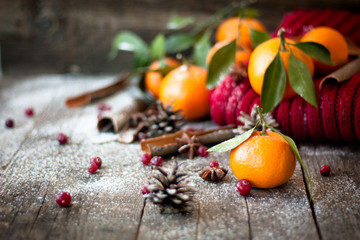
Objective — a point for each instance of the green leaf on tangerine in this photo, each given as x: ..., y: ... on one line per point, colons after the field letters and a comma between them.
x: 315, y: 50
x: 297, y: 154
x: 179, y: 42
x: 201, y: 49
x: 258, y: 37
x: 158, y: 47
x: 178, y: 22
x: 301, y: 80
x: 233, y: 142
x: 221, y: 63
x: 274, y: 84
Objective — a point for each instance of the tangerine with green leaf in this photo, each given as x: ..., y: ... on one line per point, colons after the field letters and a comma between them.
x: 266, y: 160
x: 241, y: 56
x: 229, y: 30
x: 334, y: 41
x: 153, y: 79
x: 264, y: 54
x: 185, y: 89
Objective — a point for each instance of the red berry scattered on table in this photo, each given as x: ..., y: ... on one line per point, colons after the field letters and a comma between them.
x: 157, y: 161
x: 244, y: 187
x: 29, y: 112
x: 144, y: 190
x: 97, y: 161
x: 103, y: 107
x: 202, y: 151
x: 62, y: 138
x: 146, y: 158
x: 325, y: 170
x: 9, y: 123
x: 63, y: 199
x: 214, y: 164
x: 93, y: 168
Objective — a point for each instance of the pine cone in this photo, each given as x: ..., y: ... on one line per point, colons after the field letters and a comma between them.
x: 170, y: 190
x: 163, y: 121
x: 249, y: 121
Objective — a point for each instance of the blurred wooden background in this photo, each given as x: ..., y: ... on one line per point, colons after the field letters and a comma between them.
x: 57, y: 36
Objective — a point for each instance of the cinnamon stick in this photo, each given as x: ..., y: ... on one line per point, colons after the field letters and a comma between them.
x: 167, y: 145
x: 113, y: 122
x: 86, y: 98
x: 344, y: 73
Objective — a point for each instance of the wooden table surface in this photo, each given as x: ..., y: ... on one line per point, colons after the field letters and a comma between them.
x: 109, y: 205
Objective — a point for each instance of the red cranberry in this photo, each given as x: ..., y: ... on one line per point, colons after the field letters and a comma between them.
x: 62, y: 138
x: 144, y: 190
x: 29, y: 112
x: 63, y: 199
x: 325, y: 170
x: 214, y: 164
x: 93, y: 168
x: 142, y: 136
x: 146, y: 158
x: 157, y: 161
x: 190, y: 129
x: 99, y: 116
x: 244, y: 187
x: 9, y: 123
x: 97, y: 161
x: 103, y: 107
x: 202, y: 151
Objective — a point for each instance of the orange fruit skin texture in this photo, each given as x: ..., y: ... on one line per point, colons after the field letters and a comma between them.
x: 241, y: 56
x: 153, y: 79
x: 229, y: 30
x: 185, y: 88
x: 334, y: 41
x: 266, y: 161
x: 264, y: 54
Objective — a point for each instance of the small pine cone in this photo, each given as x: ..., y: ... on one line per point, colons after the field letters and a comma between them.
x: 169, y: 190
x: 249, y: 121
x: 213, y: 174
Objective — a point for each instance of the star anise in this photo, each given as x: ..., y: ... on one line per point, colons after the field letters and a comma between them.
x: 238, y: 72
x: 213, y: 173
x: 187, y: 144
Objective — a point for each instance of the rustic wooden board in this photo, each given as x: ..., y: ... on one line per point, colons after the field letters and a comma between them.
x: 336, y: 199
x: 109, y: 205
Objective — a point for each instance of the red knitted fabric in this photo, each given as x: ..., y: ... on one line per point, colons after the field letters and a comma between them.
x: 244, y: 104
x: 283, y: 117
x: 356, y: 113
x: 220, y: 98
x: 235, y: 98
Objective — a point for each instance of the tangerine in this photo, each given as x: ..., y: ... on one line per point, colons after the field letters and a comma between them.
x: 334, y: 41
x: 241, y: 56
x: 267, y: 161
x: 153, y: 79
x: 185, y: 89
x: 229, y: 30
x: 264, y: 54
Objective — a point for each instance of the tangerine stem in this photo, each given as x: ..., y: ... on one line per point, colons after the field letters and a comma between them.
x: 262, y: 120
x: 281, y: 35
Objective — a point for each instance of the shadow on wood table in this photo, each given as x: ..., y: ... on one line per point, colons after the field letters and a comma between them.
x: 109, y: 205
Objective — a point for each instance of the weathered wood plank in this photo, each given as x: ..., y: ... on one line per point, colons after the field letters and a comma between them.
x: 335, y: 198
x: 105, y: 204
x: 283, y: 212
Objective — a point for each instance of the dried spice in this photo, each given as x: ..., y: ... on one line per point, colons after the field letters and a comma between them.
x: 213, y: 174
x: 170, y: 190
x: 188, y: 145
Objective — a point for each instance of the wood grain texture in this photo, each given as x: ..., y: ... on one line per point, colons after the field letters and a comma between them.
x: 66, y: 36
x: 336, y: 198
x: 109, y: 205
